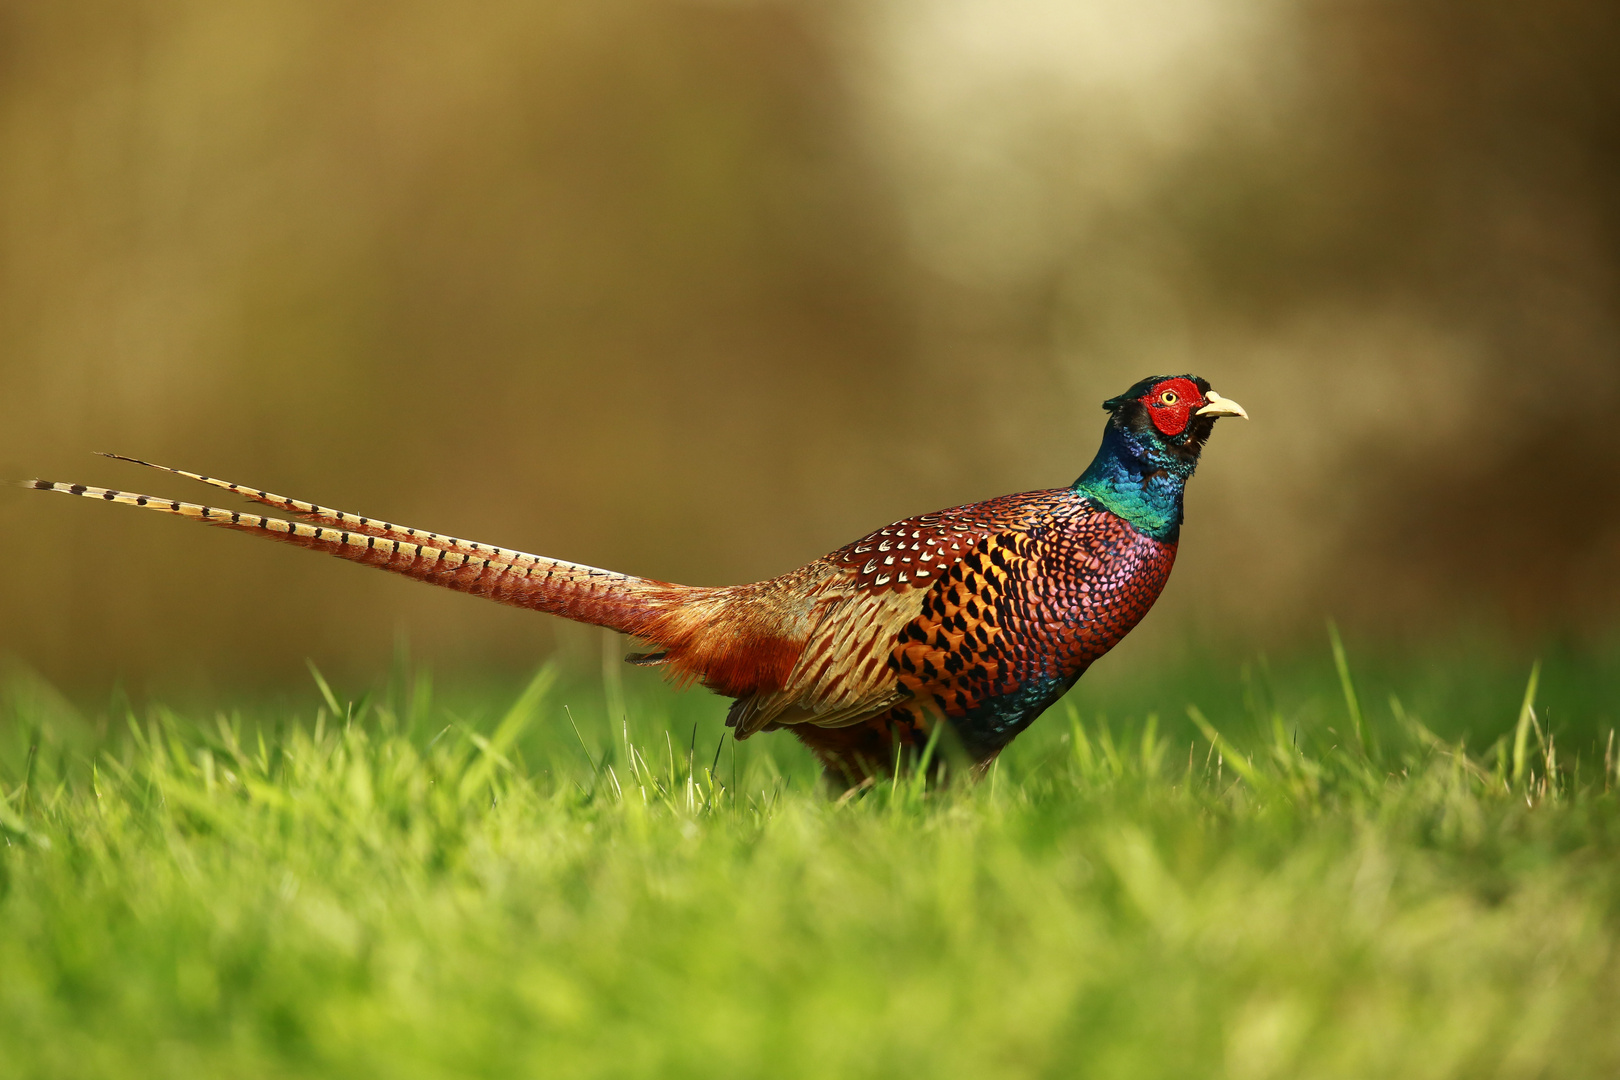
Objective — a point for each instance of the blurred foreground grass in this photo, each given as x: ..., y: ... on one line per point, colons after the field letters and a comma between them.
x: 557, y: 883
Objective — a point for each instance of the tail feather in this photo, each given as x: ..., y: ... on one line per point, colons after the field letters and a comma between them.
x: 642, y: 607
x: 330, y: 518
x: 737, y: 640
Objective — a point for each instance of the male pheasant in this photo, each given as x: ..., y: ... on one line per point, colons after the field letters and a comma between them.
x: 979, y: 616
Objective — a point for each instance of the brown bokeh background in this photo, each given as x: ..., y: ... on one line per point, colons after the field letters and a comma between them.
x: 703, y: 290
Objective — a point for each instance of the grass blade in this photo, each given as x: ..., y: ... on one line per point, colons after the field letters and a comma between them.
x: 1347, y: 686
x: 1521, y: 732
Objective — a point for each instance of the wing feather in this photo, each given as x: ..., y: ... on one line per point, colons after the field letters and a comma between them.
x: 869, y: 592
x: 834, y: 682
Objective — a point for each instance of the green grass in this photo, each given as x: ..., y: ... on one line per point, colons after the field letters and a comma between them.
x: 436, y: 885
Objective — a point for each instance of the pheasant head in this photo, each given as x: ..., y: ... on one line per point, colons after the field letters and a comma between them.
x: 1155, y: 433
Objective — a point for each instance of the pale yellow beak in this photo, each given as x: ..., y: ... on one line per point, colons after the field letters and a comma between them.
x: 1219, y: 406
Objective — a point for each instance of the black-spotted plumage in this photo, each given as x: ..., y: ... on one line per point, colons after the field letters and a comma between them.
x: 1045, y: 583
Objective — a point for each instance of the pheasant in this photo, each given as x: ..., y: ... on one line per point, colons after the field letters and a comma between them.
x: 978, y: 617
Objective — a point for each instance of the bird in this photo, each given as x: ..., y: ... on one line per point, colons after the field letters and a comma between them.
x: 964, y: 623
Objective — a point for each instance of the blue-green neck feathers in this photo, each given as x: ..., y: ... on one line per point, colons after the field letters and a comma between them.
x: 1138, y: 478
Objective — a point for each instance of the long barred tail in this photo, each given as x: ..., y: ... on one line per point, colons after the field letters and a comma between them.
x: 338, y: 519
x: 657, y: 611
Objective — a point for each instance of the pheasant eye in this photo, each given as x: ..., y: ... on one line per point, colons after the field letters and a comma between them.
x: 1169, y: 397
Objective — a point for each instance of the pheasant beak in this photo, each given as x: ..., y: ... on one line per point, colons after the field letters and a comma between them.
x: 1219, y: 406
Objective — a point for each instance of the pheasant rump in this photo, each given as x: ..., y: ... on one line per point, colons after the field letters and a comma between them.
x: 978, y: 617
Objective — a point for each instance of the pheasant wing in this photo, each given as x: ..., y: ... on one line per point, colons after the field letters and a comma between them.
x: 873, y: 590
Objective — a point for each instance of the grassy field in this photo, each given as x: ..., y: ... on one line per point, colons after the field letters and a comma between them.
x: 1236, y: 870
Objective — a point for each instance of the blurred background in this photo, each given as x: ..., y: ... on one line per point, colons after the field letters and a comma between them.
x: 701, y: 290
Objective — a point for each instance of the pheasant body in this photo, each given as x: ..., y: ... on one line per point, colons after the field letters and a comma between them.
x: 1038, y: 586
x: 978, y: 617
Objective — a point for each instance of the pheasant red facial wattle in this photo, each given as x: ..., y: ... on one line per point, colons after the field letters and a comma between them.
x: 977, y: 617
x: 1170, y: 404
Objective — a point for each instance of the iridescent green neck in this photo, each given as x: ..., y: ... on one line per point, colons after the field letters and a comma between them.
x: 1140, y: 485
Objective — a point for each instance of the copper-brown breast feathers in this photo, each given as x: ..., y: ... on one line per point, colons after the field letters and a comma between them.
x: 1029, y: 606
